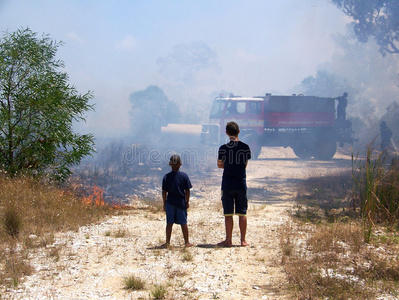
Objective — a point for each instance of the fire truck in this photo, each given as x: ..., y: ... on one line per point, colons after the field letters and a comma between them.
x: 307, y: 124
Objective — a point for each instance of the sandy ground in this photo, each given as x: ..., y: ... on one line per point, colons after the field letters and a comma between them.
x: 91, y: 263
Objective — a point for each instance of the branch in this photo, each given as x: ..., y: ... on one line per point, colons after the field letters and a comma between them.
x: 3, y: 105
x: 394, y: 48
x: 2, y: 130
x: 4, y: 154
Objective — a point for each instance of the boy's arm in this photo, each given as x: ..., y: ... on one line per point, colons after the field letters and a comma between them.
x: 164, y: 194
x: 221, y: 154
x: 187, y: 198
x: 220, y: 164
x: 248, y: 157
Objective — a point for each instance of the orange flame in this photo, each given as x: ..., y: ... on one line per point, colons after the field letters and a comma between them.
x: 117, y: 206
x: 95, y: 198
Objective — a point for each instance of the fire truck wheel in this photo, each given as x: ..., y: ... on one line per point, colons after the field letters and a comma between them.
x: 302, y: 152
x: 325, y: 150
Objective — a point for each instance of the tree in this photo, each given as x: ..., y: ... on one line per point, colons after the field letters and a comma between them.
x: 38, y: 107
x: 376, y: 18
x: 151, y: 110
x: 325, y: 84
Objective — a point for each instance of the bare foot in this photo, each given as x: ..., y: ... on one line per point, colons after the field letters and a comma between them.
x: 225, y: 244
x: 187, y: 245
x: 244, y: 244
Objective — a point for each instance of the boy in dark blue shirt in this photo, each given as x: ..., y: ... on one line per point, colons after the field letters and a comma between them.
x: 233, y: 159
x: 176, y: 187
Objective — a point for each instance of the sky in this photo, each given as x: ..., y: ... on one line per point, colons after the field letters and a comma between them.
x: 190, y: 49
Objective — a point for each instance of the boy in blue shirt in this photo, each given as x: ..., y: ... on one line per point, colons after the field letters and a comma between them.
x: 176, y: 187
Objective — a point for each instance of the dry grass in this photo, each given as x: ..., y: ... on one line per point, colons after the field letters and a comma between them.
x: 159, y: 291
x: 324, y: 251
x: 132, y: 282
x: 153, y: 206
x: 121, y: 233
x: 30, y: 213
x: 187, y: 255
x: 376, y: 188
x: 172, y: 274
x: 15, y: 264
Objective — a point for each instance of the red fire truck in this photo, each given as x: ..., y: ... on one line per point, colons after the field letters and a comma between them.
x: 307, y: 124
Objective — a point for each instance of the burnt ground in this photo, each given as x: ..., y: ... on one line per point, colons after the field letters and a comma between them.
x: 271, y: 178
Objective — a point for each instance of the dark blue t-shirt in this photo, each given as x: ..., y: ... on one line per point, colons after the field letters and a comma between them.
x: 175, y: 184
x: 234, y: 155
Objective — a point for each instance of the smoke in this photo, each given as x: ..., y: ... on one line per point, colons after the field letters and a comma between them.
x: 370, y: 78
x: 185, y: 65
x: 190, y: 74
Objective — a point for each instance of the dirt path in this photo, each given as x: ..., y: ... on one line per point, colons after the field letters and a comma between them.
x: 92, y: 263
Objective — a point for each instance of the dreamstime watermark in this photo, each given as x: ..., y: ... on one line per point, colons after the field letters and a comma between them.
x: 135, y: 154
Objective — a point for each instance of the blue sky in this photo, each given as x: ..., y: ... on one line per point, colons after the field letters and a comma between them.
x: 190, y: 49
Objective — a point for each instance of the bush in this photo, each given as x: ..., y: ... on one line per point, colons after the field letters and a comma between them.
x: 133, y: 283
x: 12, y: 221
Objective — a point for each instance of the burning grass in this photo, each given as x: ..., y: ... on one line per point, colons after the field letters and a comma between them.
x: 32, y: 212
x: 325, y: 251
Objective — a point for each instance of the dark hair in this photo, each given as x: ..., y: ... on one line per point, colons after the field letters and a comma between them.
x: 175, y: 160
x: 232, y: 129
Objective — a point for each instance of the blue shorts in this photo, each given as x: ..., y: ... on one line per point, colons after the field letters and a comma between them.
x: 234, y: 199
x: 175, y: 215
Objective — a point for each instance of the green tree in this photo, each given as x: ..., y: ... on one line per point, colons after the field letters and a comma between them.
x: 375, y: 18
x: 151, y: 110
x: 38, y: 107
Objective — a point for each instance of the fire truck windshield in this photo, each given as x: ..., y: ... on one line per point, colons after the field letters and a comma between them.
x: 235, y: 107
x: 217, y: 109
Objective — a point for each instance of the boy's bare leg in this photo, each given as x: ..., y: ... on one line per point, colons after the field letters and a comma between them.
x: 184, y: 228
x: 169, y: 227
x: 243, y: 229
x: 228, y: 223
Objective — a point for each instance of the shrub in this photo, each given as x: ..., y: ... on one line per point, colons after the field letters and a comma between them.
x: 159, y: 291
x: 12, y: 221
x: 133, y: 283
